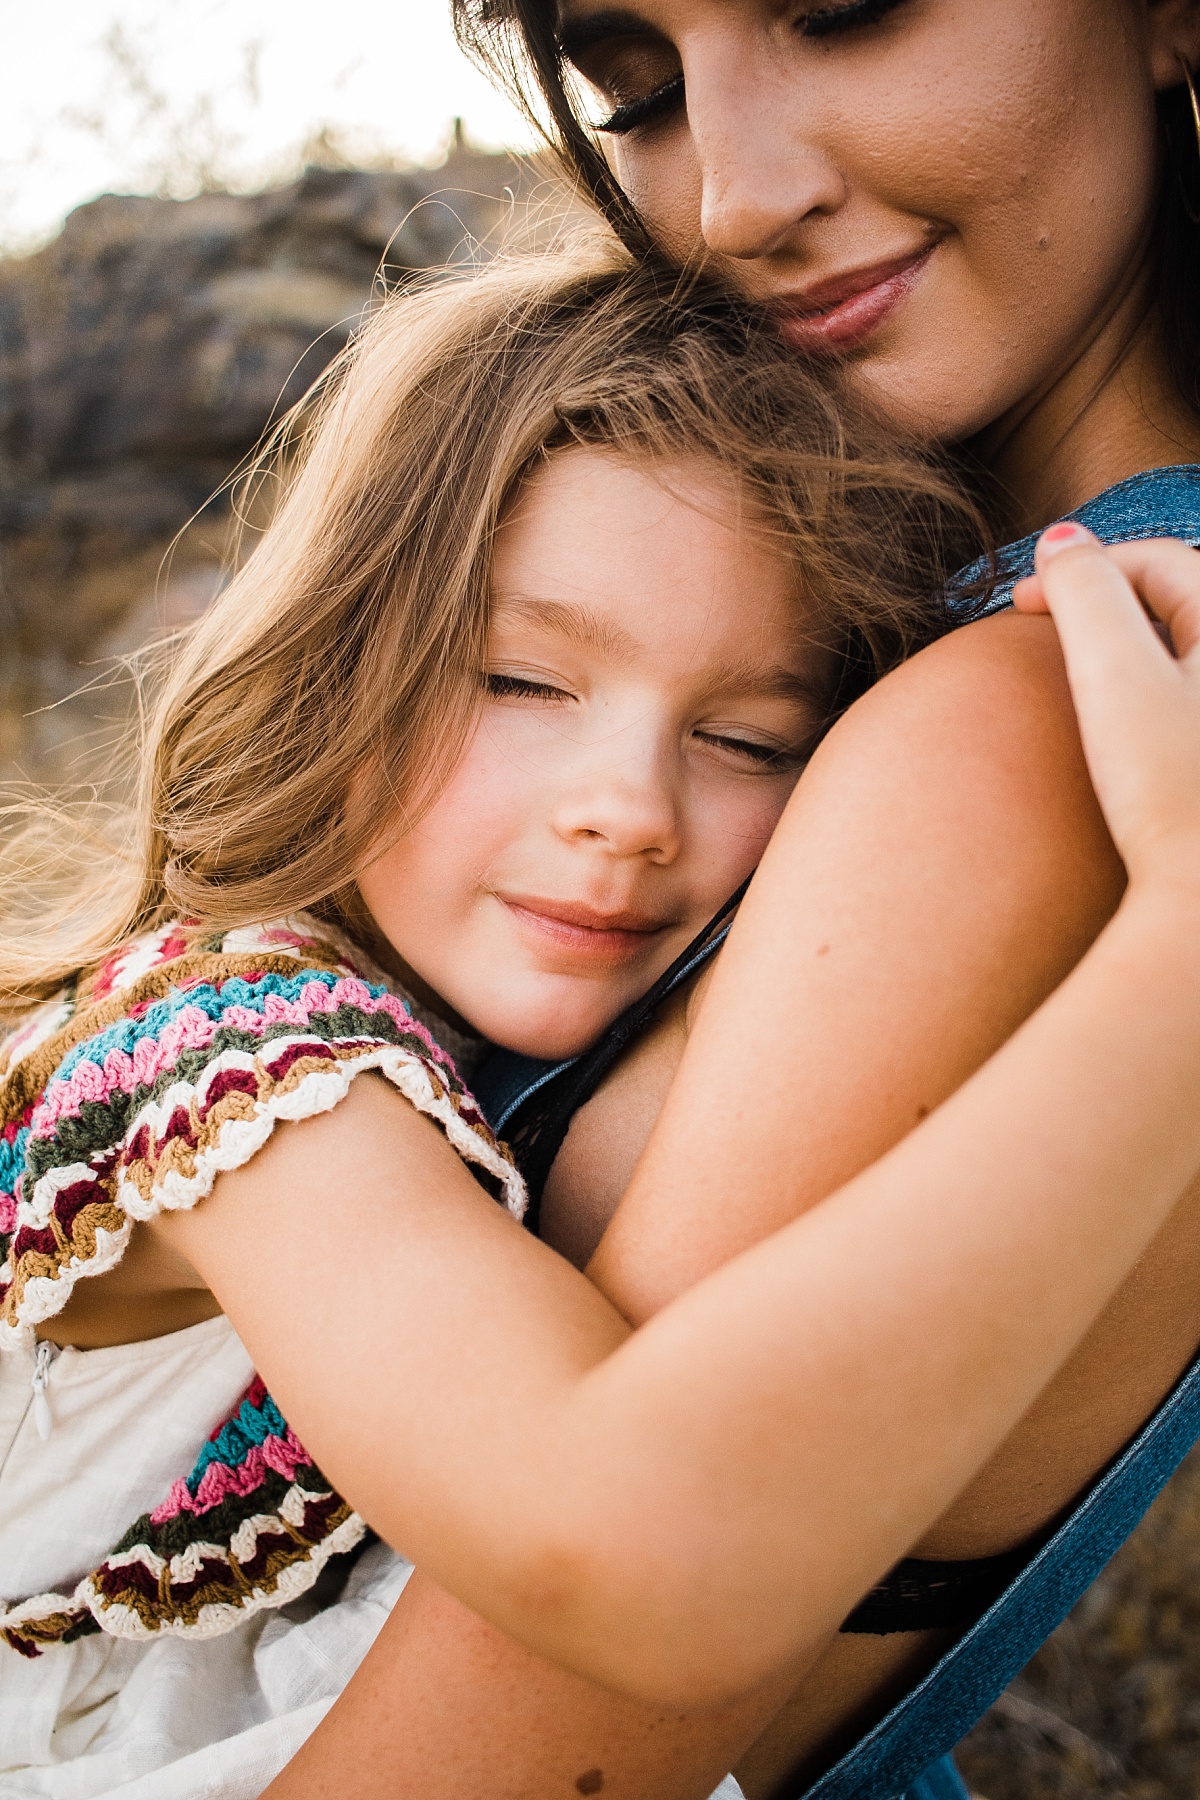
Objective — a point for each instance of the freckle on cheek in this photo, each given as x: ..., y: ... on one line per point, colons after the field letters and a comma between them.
x: 824, y: 950
x: 591, y: 1782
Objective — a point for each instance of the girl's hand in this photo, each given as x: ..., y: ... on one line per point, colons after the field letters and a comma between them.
x: 1138, y: 700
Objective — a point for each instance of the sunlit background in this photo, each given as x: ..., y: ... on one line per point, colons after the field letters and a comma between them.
x: 144, y: 96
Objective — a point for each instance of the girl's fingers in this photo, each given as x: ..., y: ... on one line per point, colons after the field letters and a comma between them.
x: 1164, y: 572
x: 1166, y: 575
x: 1104, y: 630
x: 1138, y: 706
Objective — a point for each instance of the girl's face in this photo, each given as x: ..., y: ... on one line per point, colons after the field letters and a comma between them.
x: 648, y: 698
x: 957, y: 194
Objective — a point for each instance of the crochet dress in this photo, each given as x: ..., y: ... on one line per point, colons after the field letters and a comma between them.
x: 178, y: 1607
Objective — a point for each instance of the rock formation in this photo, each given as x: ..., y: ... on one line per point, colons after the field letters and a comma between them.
x: 142, y: 354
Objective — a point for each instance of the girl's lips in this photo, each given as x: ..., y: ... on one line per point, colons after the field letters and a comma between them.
x: 585, y: 932
x: 839, y: 316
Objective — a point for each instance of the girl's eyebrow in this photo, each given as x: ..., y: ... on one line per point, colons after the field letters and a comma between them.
x: 579, y: 625
x: 776, y: 681
x: 576, y: 37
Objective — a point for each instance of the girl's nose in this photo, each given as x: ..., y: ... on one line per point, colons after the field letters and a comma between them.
x: 761, y: 179
x: 623, y: 815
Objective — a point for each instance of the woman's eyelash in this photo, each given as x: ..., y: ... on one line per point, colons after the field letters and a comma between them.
x: 520, y: 687
x: 827, y: 20
x: 632, y: 113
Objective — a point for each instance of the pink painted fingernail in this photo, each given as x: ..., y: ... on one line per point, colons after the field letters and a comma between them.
x: 1065, y: 536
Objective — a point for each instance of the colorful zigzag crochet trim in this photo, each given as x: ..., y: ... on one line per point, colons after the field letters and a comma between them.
x: 172, y: 1064
x: 252, y: 1526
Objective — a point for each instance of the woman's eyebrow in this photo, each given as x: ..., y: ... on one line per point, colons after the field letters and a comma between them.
x: 577, y: 36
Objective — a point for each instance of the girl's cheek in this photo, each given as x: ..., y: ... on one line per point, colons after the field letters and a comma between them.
x: 739, y: 831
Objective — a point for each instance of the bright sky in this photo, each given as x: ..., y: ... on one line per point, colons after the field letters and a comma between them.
x: 143, y: 95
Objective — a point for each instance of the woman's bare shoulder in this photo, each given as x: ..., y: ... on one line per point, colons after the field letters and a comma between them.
x: 940, y: 868
x: 967, y: 760
x: 1000, y: 675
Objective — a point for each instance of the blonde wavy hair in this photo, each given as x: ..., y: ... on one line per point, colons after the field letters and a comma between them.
x: 352, y: 638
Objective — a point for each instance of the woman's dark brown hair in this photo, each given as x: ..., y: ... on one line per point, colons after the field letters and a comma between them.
x: 516, y: 41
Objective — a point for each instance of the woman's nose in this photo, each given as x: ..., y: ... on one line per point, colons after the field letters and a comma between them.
x: 762, y: 177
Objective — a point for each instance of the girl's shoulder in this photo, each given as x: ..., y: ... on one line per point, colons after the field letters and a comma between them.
x: 173, y: 1061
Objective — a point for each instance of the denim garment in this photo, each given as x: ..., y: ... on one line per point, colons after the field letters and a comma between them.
x: 1157, y: 503
x: 905, y: 1756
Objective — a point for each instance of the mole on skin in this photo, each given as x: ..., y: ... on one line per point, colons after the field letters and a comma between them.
x: 591, y: 1782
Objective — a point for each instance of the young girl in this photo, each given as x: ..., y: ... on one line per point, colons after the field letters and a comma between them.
x: 514, y: 691
x: 686, y: 583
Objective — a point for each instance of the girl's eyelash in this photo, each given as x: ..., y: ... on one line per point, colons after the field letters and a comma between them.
x: 765, y: 755
x: 520, y: 687
x: 825, y: 21
x: 651, y: 107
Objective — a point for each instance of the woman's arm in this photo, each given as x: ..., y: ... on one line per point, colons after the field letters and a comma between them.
x: 685, y: 1512
x: 446, y: 1707
x: 942, y: 866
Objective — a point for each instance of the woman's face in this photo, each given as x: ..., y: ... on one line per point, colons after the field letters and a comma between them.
x: 956, y: 194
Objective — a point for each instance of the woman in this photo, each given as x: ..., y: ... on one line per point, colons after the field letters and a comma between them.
x: 989, y: 212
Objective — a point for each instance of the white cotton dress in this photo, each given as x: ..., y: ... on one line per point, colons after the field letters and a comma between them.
x: 171, y: 1717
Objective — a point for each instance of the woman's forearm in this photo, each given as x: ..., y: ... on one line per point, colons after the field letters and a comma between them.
x: 446, y: 1707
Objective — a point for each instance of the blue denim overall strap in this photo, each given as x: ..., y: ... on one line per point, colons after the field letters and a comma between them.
x: 907, y: 1753
x: 941, y: 1781
x: 959, y: 1688
x: 1157, y: 503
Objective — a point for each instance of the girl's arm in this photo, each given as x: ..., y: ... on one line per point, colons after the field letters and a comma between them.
x: 684, y: 1512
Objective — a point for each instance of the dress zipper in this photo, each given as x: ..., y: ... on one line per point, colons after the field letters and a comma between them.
x: 46, y: 1353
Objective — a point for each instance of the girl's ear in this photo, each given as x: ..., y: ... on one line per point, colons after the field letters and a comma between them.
x: 1174, y: 33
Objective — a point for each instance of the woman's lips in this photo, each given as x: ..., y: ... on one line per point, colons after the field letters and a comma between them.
x: 585, y: 931
x: 840, y: 315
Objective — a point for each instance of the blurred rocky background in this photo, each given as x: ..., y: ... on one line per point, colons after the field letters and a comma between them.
x: 143, y: 352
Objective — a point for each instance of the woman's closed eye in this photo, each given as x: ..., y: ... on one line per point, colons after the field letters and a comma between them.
x: 649, y: 109
x: 631, y: 72
x: 827, y: 21
x: 638, y: 73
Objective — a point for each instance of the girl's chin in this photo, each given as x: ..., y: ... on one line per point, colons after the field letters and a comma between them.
x: 549, y: 1032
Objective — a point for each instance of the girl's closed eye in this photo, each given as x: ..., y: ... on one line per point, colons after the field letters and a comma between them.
x: 499, y: 685
x: 766, y: 756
